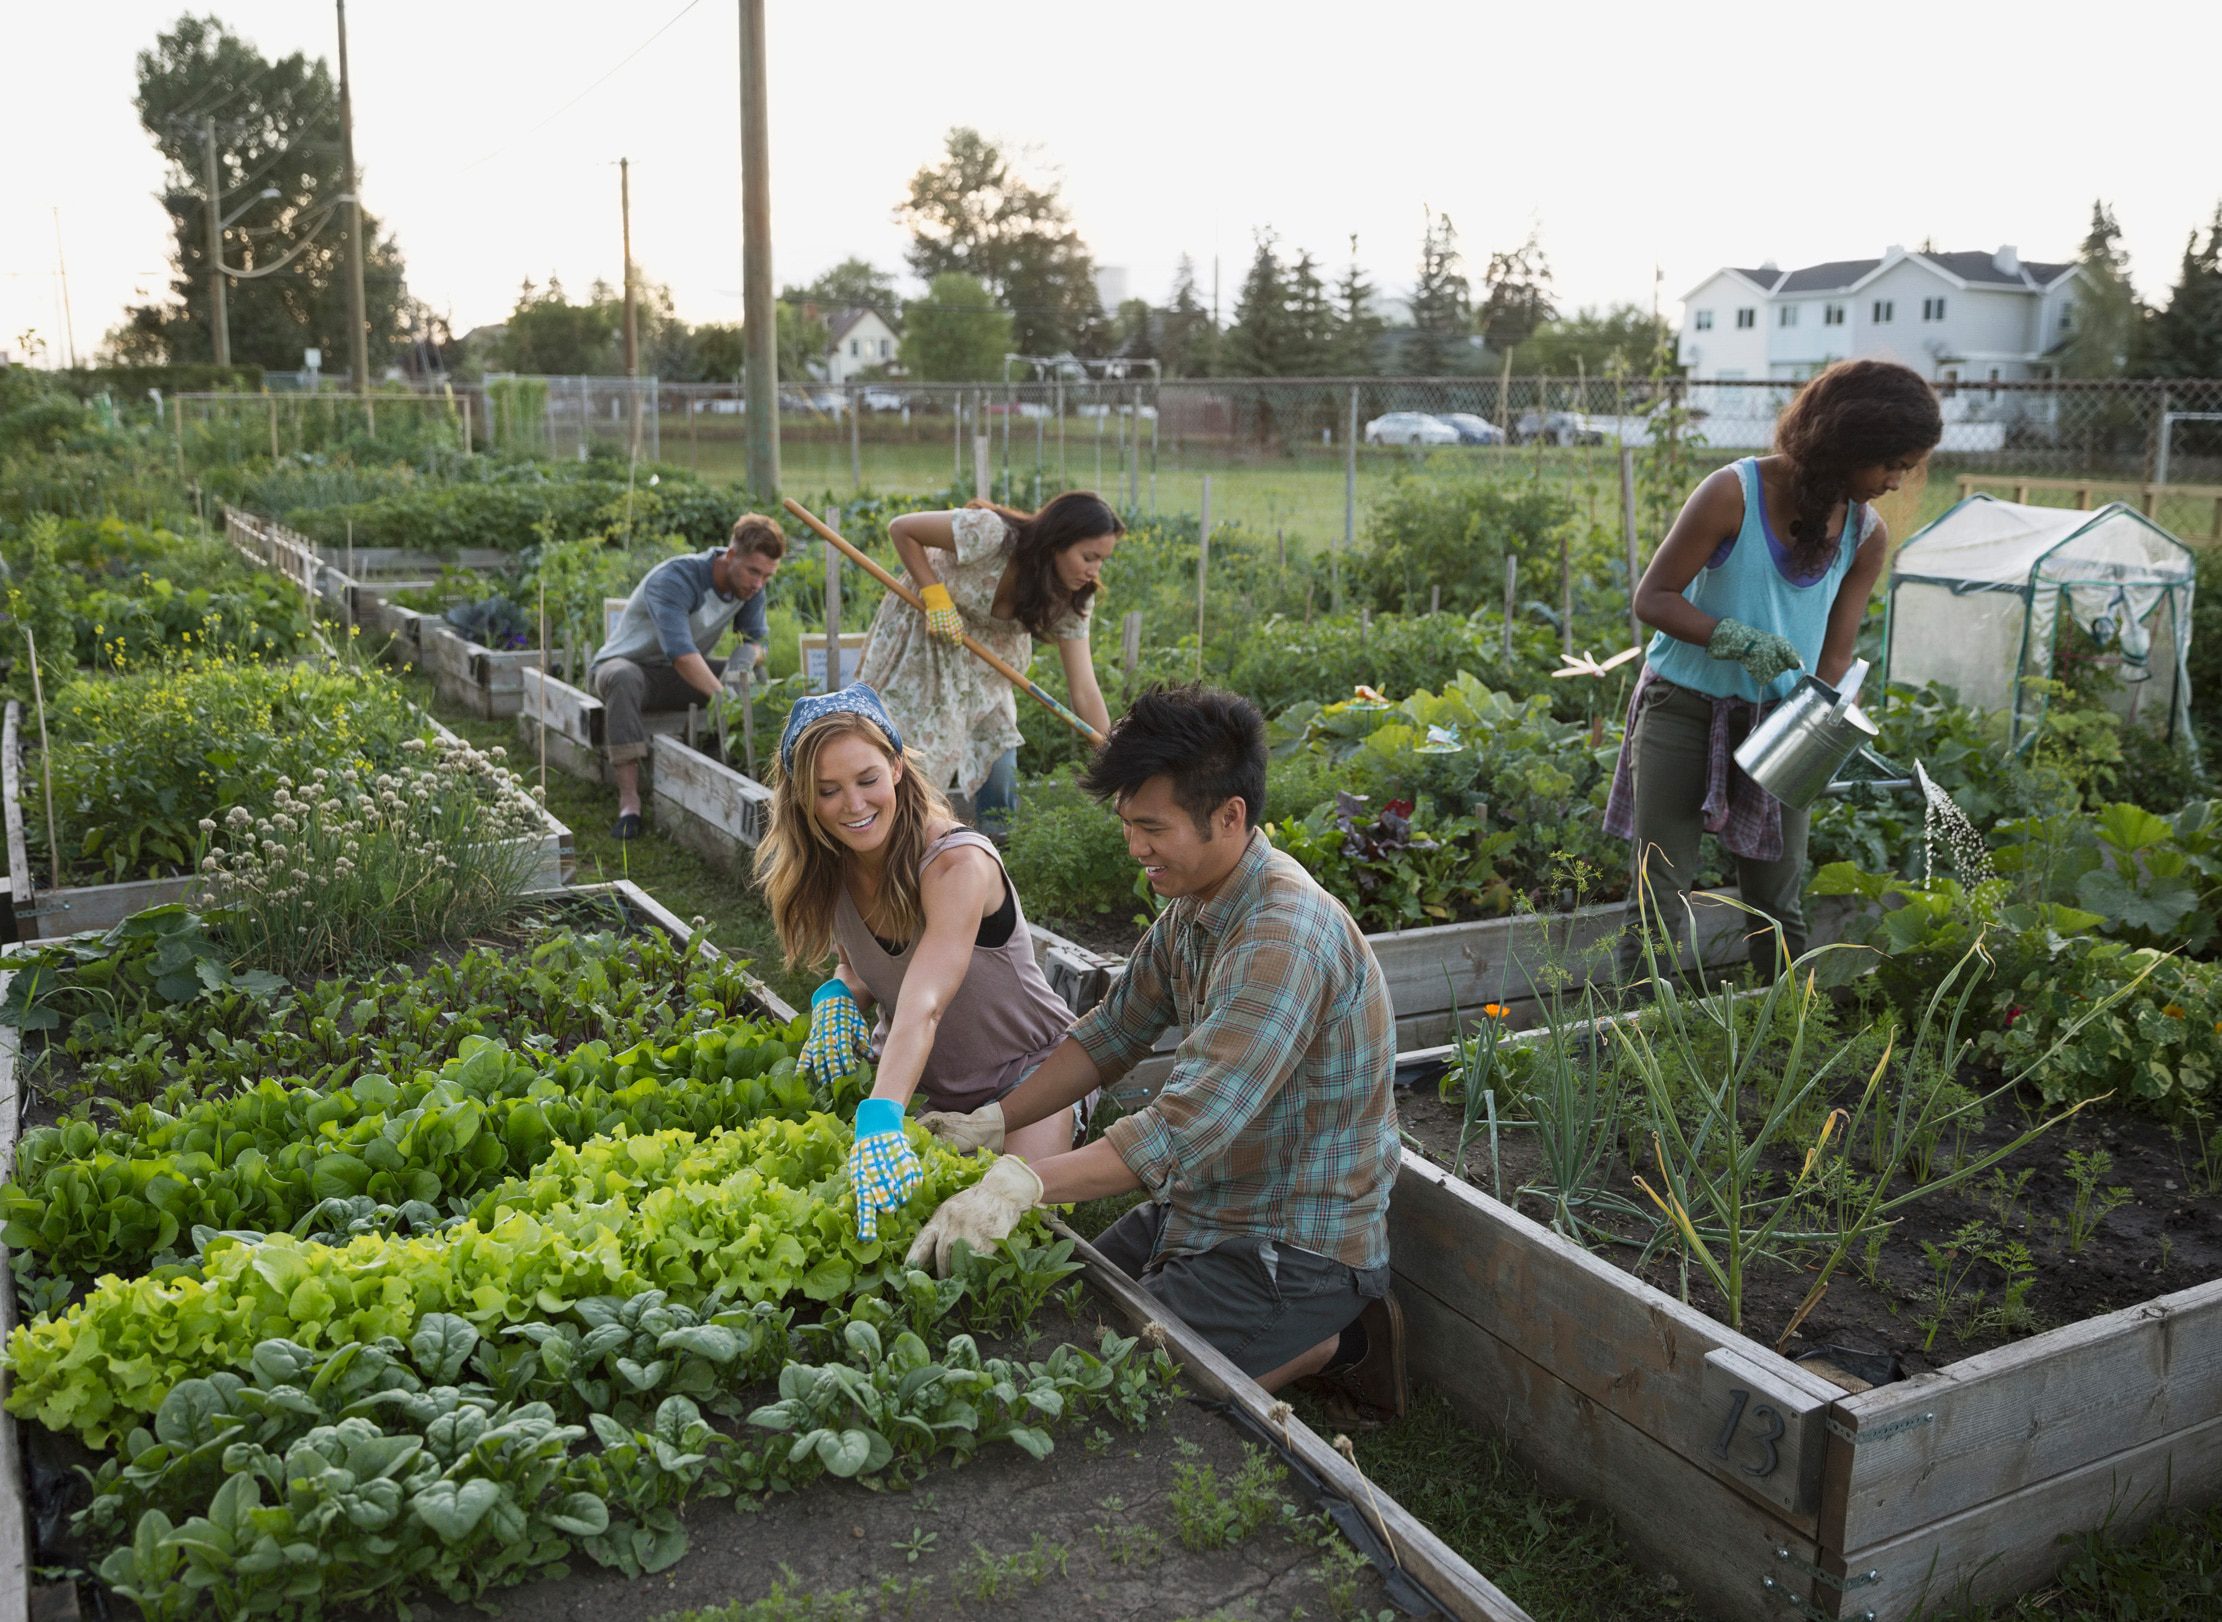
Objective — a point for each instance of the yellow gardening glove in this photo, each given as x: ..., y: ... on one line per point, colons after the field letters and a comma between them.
x: 943, y: 622
x: 973, y: 1130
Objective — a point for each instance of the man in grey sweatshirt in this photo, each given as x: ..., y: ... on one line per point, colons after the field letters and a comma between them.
x: 659, y: 656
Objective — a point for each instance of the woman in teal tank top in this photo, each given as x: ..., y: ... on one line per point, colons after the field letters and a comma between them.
x: 1766, y: 573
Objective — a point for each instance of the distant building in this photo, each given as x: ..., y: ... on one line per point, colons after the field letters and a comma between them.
x: 1953, y: 317
x: 1962, y: 320
x: 857, y: 340
x: 1111, y: 287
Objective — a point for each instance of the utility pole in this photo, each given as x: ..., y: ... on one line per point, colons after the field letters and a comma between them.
x: 358, y: 320
x: 759, y: 318
x: 625, y: 208
x: 219, y: 326
x: 61, y: 269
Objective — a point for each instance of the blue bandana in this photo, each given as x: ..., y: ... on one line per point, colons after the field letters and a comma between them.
x: 855, y: 699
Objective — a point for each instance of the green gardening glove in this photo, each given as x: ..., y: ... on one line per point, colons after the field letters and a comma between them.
x: 1763, y: 655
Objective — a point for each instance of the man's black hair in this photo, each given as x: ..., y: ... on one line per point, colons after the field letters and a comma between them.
x: 1209, y: 742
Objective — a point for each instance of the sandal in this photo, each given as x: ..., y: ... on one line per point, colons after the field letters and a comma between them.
x: 628, y: 825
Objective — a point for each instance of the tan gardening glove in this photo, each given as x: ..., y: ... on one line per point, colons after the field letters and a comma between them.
x: 968, y: 1131
x: 982, y: 1216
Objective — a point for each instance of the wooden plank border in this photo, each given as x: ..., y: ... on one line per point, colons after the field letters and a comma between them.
x: 1461, y: 1590
x: 15, y: 1526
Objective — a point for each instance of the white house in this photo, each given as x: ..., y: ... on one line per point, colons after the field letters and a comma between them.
x: 1962, y: 319
x: 856, y: 339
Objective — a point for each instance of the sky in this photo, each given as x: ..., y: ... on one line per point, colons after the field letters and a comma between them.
x: 1640, y: 140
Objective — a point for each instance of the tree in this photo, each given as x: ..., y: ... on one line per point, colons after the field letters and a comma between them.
x: 973, y: 213
x: 2106, y: 317
x: 1625, y: 336
x: 1188, y: 341
x: 1315, y: 332
x: 956, y: 333
x: 1519, y: 298
x: 2187, y: 335
x: 547, y: 335
x: 720, y: 352
x: 1133, y: 330
x: 853, y: 284
x: 277, y: 126
x: 1263, y: 340
x: 1357, y: 326
x: 1441, y: 303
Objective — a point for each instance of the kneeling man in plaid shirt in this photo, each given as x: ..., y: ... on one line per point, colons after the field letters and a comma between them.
x: 1269, y: 1152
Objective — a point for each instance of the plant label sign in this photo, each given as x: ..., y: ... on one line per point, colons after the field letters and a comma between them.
x: 814, y: 658
x: 1760, y: 1432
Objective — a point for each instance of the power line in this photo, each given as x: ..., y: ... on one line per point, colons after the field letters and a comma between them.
x: 582, y: 95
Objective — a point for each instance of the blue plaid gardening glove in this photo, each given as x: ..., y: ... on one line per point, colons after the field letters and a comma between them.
x: 882, y: 1167
x: 838, y: 1037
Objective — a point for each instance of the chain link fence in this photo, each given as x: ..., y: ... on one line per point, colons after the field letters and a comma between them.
x: 1298, y: 459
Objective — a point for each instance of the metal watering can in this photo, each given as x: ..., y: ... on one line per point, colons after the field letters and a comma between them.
x: 1796, y: 752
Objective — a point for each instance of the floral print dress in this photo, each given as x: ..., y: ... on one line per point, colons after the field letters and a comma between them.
x: 957, y: 715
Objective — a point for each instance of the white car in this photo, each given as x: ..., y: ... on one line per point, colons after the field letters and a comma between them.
x: 1410, y: 428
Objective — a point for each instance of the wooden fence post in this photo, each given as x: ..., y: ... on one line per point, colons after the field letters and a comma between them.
x: 1130, y: 647
x: 833, y: 613
x: 1511, y: 596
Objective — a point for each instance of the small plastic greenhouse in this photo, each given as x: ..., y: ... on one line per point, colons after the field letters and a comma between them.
x: 1989, y: 596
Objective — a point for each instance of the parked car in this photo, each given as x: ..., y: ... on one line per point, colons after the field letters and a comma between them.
x: 1472, y: 430
x: 1556, y: 428
x: 884, y: 400
x: 1410, y: 428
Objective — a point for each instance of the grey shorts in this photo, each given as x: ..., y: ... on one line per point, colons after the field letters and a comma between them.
x: 1259, y: 1302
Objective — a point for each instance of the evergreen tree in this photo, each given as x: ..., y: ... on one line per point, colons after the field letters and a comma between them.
x: 1441, y: 301
x: 2187, y: 335
x: 1356, y: 324
x: 1519, y: 298
x: 2106, y: 317
x: 1188, y: 341
x: 1262, y: 340
x: 1315, y: 331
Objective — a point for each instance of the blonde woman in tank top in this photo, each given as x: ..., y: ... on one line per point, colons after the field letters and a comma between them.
x: 865, y: 863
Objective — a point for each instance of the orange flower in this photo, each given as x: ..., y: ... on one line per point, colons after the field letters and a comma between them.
x: 1496, y: 1010
x: 2173, y: 1011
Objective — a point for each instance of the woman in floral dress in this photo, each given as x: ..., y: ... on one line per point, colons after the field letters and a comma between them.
x: 1008, y: 579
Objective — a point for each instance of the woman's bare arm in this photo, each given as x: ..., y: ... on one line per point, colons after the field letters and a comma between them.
x: 913, y: 534
x: 1714, y: 512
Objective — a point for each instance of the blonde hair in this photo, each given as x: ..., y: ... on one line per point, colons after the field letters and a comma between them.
x: 798, y: 864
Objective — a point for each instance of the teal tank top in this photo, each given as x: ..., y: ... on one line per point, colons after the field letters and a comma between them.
x: 1748, y: 580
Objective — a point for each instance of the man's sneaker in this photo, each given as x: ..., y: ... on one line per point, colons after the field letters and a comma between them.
x: 1376, y: 1380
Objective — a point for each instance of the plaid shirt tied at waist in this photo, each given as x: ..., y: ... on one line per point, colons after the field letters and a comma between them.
x: 1746, y: 817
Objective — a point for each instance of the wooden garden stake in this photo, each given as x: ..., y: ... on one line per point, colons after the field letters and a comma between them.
x: 46, y: 760
x: 1628, y: 534
x: 1435, y: 599
x: 543, y: 690
x: 271, y: 400
x: 833, y: 611
x: 1511, y: 594
x: 1130, y: 647
x: 1565, y: 595
x: 1203, y: 569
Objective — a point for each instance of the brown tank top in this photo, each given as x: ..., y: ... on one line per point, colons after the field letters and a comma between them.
x: 1003, y: 1020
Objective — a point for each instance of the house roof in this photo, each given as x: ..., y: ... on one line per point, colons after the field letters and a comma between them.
x: 1764, y: 277
x: 1827, y: 277
x: 842, y: 322
x: 1981, y: 269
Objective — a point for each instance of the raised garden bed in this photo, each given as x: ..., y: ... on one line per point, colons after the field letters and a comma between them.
x: 43, y: 911
x: 1800, y: 1487
x: 632, y: 1499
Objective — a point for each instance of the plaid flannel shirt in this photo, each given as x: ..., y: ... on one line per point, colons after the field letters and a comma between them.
x: 1279, y: 1118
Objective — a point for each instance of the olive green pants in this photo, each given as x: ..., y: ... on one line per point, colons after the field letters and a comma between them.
x: 1667, y: 765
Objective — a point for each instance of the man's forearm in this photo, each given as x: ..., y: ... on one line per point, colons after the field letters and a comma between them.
x: 695, y: 671
x: 1060, y: 1081
x: 1091, y: 1173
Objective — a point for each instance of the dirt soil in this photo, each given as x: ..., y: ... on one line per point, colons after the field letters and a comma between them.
x: 2166, y: 1237
x: 1090, y: 1532
x: 1107, y: 934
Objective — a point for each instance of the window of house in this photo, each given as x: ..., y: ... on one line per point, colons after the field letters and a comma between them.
x: 1832, y: 315
x: 1786, y: 315
x: 1747, y: 318
x: 1932, y: 309
x: 1704, y: 321
x: 1994, y: 383
x: 884, y: 343
x: 1882, y: 312
x: 853, y: 351
x: 1950, y: 384
x: 2067, y: 317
